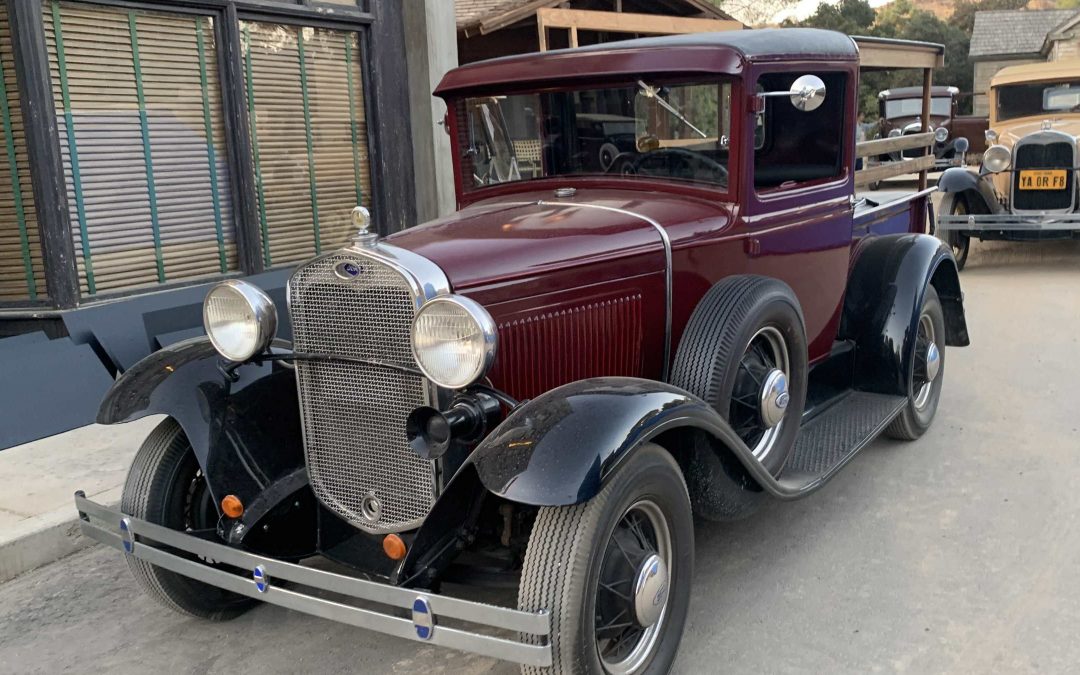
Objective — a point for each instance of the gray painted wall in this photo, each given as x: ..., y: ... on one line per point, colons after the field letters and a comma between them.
x: 431, y: 50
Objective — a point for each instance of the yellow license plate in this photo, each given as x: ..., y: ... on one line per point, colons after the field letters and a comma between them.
x: 1043, y: 179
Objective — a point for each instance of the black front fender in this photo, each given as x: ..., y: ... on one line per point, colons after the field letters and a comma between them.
x: 561, y: 447
x: 978, y: 190
x: 885, y: 293
x: 244, y: 429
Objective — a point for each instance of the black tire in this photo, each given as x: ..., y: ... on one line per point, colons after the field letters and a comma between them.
x: 571, y: 547
x: 717, y: 339
x: 960, y: 243
x: 165, y: 486
x: 919, y: 412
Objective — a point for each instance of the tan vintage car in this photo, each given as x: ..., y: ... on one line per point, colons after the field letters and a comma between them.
x: 1026, y: 186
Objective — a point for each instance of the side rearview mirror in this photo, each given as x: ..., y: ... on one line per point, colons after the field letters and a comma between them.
x: 807, y: 93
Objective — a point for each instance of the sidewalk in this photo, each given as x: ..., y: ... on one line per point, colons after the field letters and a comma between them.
x: 37, y: 482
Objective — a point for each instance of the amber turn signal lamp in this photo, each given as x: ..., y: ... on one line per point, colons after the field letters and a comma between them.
x: 231, y: 506
x: 393, y: 547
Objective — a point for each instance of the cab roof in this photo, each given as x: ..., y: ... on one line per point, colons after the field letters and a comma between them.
x: 726, y: 52
x: 1037, y: 72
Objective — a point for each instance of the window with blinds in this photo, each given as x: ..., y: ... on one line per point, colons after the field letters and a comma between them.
x: 139, y: 112
x: 22, y: 276
x: 308, y: 137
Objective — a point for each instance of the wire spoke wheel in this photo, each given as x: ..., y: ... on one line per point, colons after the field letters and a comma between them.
x: 632, y: 592
x: 766, y: 352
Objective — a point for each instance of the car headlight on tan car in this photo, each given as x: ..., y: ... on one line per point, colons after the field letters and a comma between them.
x: 941, y: 134
x: 240, y: 319
x: 453, y: 341
x: 997, y: 158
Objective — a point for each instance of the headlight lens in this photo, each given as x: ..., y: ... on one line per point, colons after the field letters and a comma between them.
x: 941, y: 134
x: 893, y: 133
x: 239, y: 319
x: 991, y: 136
x: 453, y: 341
x: 997, y: 158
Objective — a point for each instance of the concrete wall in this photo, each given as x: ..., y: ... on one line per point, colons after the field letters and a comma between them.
x: 984, y: 70
x: 431, y: 50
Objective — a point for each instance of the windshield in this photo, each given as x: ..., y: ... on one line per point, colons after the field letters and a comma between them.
x: 940, y: 106
x: 649, y: 128
x: 1036, y: 98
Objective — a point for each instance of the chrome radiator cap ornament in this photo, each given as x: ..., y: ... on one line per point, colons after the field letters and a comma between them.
x: 361, y: 219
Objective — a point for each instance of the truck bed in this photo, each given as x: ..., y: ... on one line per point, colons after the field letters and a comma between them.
x: 891, y: 211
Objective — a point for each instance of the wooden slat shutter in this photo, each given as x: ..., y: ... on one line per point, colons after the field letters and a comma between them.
x: 308, y: 135
x: 139, y: 107
x: 22, y: 275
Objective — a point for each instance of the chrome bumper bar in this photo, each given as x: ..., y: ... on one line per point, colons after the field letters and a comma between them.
x: 152, y: 543
x: 1009, y: 221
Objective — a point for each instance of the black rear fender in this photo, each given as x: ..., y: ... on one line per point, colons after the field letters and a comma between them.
x: 245, y: 429
x: 885, y: 292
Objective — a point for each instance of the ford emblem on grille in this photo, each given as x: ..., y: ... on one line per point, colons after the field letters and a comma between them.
x: 347, y: 270
x: 422, y: 618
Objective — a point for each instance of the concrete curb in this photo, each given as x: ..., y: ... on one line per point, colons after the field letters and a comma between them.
x: 46, y: 538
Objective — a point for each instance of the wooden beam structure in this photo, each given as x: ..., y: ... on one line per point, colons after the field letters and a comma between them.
x: 575, y: 20
x: 884, y: 146
x: 890, y: 54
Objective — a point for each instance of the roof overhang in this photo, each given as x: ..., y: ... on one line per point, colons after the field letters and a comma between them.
x: 889, y: 54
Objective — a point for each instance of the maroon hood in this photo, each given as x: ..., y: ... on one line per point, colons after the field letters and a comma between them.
x: 517, y: 237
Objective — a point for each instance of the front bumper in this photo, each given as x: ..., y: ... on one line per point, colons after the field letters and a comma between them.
x: 1008, y: 222
x: 256, y: 577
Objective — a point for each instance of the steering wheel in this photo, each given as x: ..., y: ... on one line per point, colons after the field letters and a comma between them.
x: 716, y: 167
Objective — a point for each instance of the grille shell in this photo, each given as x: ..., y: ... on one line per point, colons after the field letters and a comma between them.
x: 1044, y: 150
x: 353, y: 416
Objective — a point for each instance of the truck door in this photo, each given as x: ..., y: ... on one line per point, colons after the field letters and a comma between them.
x: 800, y: 216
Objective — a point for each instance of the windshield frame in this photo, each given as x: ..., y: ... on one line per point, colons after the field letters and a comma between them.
x: 467, y: 193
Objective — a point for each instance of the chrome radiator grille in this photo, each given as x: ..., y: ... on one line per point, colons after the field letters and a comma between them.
x: 354, y: 415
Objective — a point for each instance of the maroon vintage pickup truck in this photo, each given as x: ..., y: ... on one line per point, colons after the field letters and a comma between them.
x: 545, y: 387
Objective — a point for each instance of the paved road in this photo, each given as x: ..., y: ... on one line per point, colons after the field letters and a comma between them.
x: 955, y: 554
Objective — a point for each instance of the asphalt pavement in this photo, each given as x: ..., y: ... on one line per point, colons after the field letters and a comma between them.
x: 958, y: 553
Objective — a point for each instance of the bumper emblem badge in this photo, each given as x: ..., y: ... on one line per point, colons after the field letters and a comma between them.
x: 262, y: 579
x: 422, y: 618
x: 126, y: 535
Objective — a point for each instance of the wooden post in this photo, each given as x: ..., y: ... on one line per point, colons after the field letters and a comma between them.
x: 928, y: 76
x: 573, y: 36
x: 541, y: 30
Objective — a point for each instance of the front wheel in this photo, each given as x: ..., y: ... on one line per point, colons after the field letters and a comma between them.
x: 615, y: 572
x: 926, y: 373
x: 165, y: 486
x: 960, y: 243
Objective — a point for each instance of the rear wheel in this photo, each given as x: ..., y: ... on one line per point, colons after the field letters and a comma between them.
x: 615, y: 571
x: 960, y: 243
x: 926, y: 373
x: 165, y: 486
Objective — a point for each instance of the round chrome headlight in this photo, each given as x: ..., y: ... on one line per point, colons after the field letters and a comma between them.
x: 239, y: 318
x: 453, y: 341
x: 941, y: 134
x: 991, y: 136
x: 997, y: 158
x: 961, y: 145
x: 893, y: 133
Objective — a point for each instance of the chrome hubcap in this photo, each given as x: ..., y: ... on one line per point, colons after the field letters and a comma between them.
x: 650, y: 590
x: 927, y: 362
x: 774, y: 398
x: 761, y: 394
x: 633, y: 590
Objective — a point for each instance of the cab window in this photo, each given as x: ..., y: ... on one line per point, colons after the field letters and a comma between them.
x: 794, y: 146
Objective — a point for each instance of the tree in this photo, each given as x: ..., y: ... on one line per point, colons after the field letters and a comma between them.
x: 854, y: 17
x: 755, y: 12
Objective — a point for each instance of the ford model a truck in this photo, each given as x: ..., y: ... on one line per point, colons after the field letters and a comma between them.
x: 548, y: 384
x: 1025, y: 188
x: 900, y: 110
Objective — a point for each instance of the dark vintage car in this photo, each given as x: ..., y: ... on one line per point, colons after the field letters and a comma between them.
x: 955, y: 135
x: 546, y: 387
x: 1025, y: 189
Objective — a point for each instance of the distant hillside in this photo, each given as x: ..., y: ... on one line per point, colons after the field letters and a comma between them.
x: 944, y: 8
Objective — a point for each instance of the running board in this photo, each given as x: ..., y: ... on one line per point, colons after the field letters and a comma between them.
x: 828, y: 441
